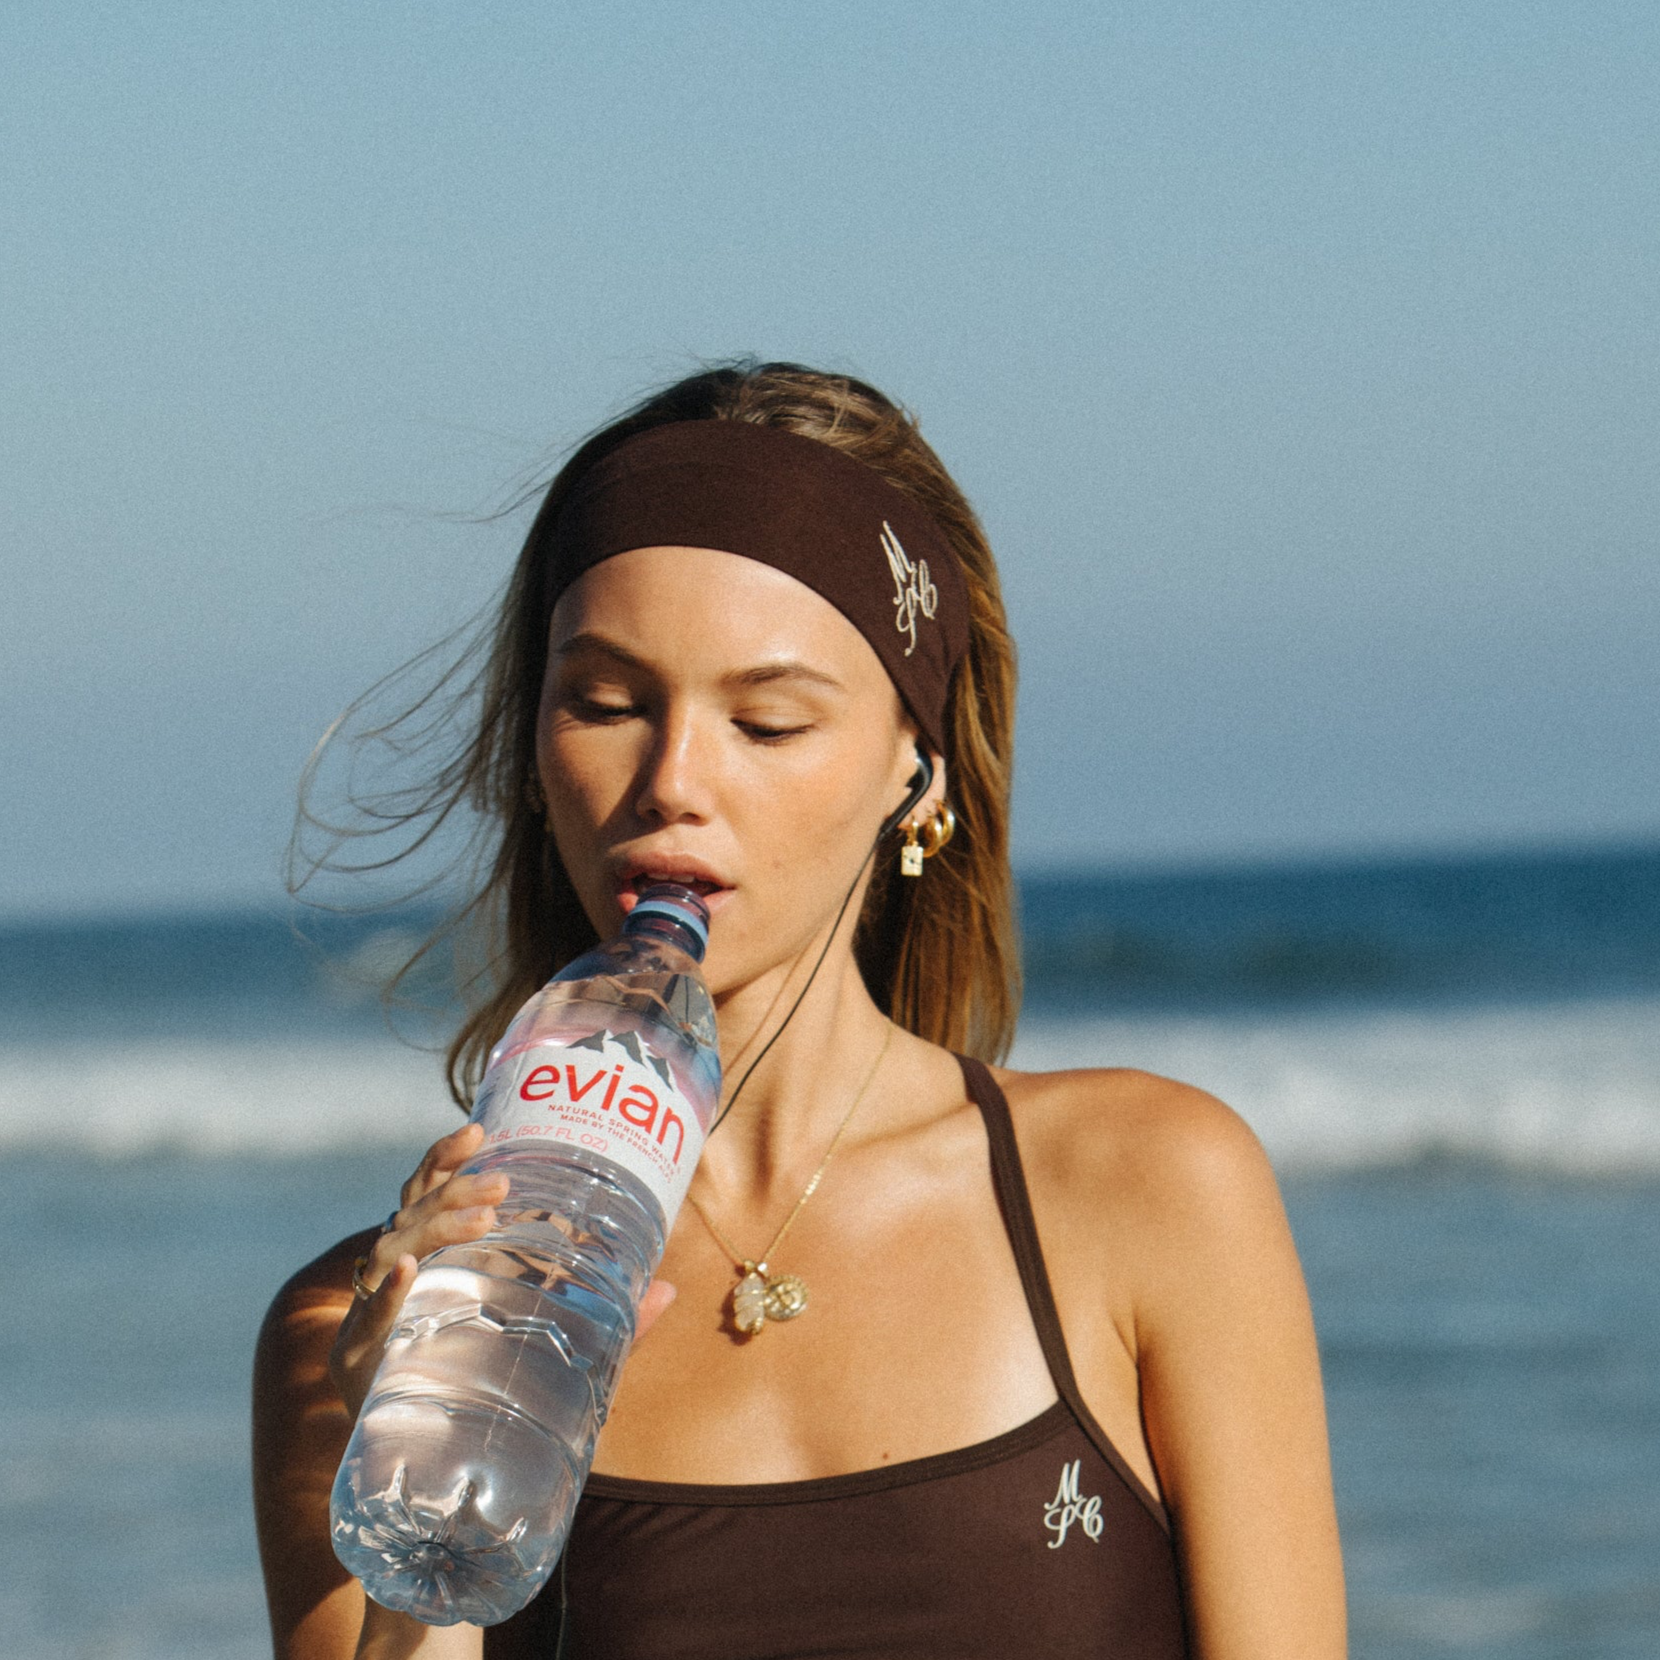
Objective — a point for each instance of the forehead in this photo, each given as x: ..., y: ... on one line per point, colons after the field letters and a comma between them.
x: 691, y: 610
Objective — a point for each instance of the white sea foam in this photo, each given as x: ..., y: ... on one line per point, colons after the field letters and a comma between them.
x: 274, y: 1096
x: 1567, y: 1086
x: 1570, y: 1086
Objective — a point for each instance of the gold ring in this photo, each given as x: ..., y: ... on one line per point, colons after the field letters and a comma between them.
x: 359, y: 1290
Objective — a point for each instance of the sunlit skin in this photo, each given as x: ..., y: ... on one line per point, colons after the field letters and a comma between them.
x: 707, y: 717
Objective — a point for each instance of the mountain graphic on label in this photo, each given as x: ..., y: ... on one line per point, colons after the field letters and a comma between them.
x: 631, y: 1046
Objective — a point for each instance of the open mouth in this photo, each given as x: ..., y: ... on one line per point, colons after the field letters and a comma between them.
x: 634, y: 880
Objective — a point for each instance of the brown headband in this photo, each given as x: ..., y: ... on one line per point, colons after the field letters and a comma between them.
x: 796, y: 504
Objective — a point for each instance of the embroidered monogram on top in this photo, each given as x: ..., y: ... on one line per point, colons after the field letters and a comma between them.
x: 1067, y: 1507
x: 913, y: 588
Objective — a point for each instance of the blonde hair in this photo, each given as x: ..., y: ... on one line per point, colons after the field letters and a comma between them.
x: 940, y: 955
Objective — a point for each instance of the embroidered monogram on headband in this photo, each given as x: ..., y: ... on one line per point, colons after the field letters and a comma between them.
x: 800, y: 506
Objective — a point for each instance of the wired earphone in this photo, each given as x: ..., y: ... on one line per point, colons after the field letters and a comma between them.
x: 921, y: 781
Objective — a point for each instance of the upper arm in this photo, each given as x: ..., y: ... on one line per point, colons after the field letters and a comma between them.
x: 300, y: 1430
x: 1231, y: 1393
x: 1189, y: 1326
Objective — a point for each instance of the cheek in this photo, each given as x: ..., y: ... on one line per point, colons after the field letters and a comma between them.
x: 582, y: 783
x: 822, y: 820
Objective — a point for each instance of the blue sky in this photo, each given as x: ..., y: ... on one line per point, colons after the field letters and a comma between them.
x: 1301, y: 360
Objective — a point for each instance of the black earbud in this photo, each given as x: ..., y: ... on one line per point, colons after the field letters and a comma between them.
x: 920, y: 781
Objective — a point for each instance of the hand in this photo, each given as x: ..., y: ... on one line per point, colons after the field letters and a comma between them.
x: 436, y: 1208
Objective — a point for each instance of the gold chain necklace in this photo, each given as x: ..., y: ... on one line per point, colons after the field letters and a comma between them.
x: 760, y: 1295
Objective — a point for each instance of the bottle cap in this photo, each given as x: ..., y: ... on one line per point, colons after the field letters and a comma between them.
x: 669, y: 901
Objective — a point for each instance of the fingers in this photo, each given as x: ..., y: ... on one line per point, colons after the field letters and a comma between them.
x: 659, y: 1294
x: 437, y: 1207
x: 459, y: 1210
x: 440, y: 1161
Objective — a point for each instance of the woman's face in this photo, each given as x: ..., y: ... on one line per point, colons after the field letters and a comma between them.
x: 708, y: 719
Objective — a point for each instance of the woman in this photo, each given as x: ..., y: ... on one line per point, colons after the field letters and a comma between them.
x: 1055, y: 1388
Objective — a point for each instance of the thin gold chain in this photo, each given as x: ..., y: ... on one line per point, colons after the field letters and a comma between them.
x: 812, y: 1185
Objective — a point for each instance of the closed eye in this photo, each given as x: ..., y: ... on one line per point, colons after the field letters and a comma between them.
x: 764, y: 734
x: 594, y: 709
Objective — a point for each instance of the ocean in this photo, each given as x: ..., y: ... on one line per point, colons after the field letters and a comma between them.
x: 1455, y: 1065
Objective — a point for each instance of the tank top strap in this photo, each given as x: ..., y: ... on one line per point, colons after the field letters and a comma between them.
x: 1008, y: 1178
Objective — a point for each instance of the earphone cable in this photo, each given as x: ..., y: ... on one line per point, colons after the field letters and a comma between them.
x: 835, y: 928
x: 919, y: 788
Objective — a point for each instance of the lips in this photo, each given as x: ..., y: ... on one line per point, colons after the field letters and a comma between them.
x: 638, y: 873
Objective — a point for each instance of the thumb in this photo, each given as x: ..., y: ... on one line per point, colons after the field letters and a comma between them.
x: 363, y: 1334
x: 659, y: 1294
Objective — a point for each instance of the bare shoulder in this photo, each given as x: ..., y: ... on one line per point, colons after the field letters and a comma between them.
x: 291, y: 1382
x: 300, y: 1325
x: 323, y: 1283
x: 1116, y: 1135
x: 1143, y: 1189
x: 300, y: 1432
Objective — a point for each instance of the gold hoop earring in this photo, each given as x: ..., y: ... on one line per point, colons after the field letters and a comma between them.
x: 910, y: 855
x: 938, y: 830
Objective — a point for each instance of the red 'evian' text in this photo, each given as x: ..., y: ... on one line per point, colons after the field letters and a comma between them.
x: 639, y: 1105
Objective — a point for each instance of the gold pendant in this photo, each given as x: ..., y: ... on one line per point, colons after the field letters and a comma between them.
x: 758, y: 1298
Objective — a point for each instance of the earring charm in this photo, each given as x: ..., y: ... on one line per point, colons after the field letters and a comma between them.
x: 910, y: 855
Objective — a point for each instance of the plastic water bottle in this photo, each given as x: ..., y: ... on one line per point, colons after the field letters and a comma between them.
x: 461, y: 1477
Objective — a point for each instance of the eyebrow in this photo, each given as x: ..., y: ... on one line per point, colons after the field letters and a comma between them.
x: 588, y: 641
x: 762, y: 674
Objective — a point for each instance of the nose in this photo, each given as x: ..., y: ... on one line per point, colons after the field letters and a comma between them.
x: 674, y: 777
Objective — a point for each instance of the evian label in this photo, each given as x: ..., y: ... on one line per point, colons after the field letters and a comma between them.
x: 605, y: 1094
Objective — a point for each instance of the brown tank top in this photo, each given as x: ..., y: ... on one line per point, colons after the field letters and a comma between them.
x: 1041, y: 1541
